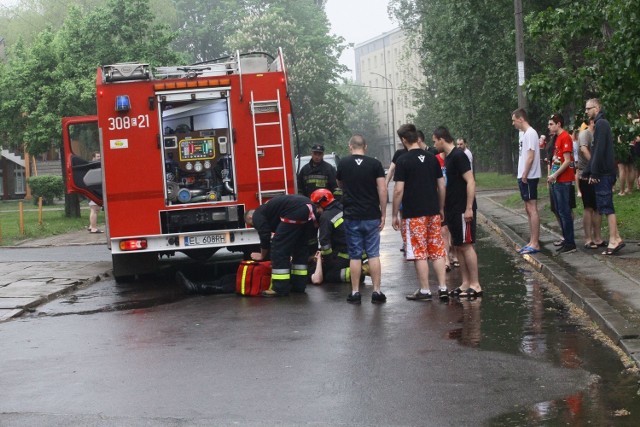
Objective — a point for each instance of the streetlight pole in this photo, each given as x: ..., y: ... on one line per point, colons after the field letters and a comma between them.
x: 393, y: 115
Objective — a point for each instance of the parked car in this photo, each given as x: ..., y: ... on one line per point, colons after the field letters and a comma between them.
x: 331, y: 158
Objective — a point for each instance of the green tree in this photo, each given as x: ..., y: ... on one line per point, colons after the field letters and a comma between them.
x: 311, y: 55
x: 595, y: 53
x: 359, y: 113
x: 55, y: 76
x: 467, y: 51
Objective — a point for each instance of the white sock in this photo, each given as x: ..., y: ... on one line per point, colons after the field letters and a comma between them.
x: 425, y: 291
x: 443, y: 287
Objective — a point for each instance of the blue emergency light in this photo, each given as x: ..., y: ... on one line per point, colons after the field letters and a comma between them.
x: 123, y: 103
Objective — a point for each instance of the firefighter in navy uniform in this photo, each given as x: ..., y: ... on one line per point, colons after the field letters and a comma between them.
x: 317, y: 173
x: 292, y: 220
x: 333, y: 264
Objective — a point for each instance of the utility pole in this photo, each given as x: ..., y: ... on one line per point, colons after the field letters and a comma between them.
x: 522, y: 99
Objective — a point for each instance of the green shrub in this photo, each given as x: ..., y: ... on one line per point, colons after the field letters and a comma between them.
x: 46, y: 186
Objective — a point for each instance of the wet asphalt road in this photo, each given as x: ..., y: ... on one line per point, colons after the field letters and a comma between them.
x: 147, y: 354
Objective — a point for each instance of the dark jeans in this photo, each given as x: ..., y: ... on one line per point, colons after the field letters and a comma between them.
x: 562, y: 197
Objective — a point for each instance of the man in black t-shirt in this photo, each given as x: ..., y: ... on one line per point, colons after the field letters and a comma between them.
x: 421, y: 189
x: 460, y: 211
x: 365, y: 201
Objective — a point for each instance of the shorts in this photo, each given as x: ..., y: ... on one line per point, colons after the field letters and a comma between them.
x: 529, y: 191
x: 588, y: 194
x: 604, y: 194
x: 363, y: 236
x: 424, y: 238
x: 462, y: 232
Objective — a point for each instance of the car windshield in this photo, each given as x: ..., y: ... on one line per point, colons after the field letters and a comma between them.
x: 331, y: 158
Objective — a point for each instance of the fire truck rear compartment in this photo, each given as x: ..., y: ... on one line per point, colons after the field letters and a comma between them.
x: 202, y: 219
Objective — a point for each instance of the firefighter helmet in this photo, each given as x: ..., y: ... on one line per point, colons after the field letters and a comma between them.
x: 322, y: 197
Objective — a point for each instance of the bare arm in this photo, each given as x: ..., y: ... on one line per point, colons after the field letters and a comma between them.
x: 471, y: 194
x: 527, y: 165
x: 382, y: 197
x: 390, y: 173
x: 398, y: 191
x: 442, y: 192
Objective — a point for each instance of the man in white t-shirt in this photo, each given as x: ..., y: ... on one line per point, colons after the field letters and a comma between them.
x: 461, y: 143
x: 528, y: 176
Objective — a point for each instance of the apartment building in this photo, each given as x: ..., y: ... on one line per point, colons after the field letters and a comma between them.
x: 389, y: 67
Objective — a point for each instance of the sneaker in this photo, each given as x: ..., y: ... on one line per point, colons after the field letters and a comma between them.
x: 443, y: 294
x: 566, y: 249
x: 419, y: 296
x: 378, y: 298
x: 354, y: 298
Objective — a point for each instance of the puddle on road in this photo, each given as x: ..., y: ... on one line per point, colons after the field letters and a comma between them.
x: 519, y: 316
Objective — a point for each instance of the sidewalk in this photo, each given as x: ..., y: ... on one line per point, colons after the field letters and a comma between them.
x: 606, y: 288
x: 27, y: 284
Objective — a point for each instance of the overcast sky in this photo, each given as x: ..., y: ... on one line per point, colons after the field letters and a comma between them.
x: 358, y: 21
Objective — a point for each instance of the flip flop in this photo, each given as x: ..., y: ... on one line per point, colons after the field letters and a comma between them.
x: 603, y: 244
x: 613, y: 251
x: 559, y: 242
x: 528, y: 250
x: 96, y: 232
x: 590, y: 245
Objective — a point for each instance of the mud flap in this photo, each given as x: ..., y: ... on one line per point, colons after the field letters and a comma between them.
x: 127, y: 266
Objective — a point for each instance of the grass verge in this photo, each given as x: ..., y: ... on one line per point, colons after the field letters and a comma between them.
x: 54, y: 221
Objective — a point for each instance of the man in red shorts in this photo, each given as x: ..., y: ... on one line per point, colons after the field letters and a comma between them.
x: 420, y: 187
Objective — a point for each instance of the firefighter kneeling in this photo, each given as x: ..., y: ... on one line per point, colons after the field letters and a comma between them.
x: 332, y: 261
x: 292, y: 220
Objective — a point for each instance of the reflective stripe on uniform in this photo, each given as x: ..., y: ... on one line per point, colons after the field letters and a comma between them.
x: 337, y: 220
x: 343, y: 255
x: 299, y: 269
x: 326, y: 250
x: 281, y: 274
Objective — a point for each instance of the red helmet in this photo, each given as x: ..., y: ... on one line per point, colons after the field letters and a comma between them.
x: 322, y: 197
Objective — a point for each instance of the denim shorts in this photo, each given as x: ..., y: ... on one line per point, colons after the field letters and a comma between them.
x: 604, y: 194
x: 362, y: 236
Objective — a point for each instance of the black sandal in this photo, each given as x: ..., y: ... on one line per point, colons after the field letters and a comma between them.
x: 472, y: 293
x: 456, y: 292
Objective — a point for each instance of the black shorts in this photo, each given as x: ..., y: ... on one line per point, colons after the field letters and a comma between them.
x: 588, y: 194
x: 529, y: 191
x: 461, y: 231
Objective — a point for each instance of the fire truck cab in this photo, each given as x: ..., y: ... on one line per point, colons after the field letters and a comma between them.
x: 185, y: 152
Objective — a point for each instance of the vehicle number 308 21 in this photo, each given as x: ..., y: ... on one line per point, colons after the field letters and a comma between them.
x: 126, y: 122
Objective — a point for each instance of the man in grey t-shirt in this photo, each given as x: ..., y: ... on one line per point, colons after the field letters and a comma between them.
x: 591, y: 219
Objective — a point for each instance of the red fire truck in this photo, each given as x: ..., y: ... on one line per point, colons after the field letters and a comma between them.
x: 185, y: 152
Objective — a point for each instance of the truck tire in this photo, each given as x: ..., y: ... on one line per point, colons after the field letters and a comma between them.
x: 127, y: 266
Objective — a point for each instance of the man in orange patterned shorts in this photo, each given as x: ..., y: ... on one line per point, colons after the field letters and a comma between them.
x: 419, y: 186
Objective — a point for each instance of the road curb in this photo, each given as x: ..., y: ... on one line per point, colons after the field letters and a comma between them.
x: 625, y: 335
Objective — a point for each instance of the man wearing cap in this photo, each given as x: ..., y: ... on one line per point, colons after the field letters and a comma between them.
x: 317, y: 173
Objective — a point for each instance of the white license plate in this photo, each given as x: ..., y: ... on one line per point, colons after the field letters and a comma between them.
x: 209, y: 239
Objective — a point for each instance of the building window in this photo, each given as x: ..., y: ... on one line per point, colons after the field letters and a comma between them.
x: 20, y: 184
